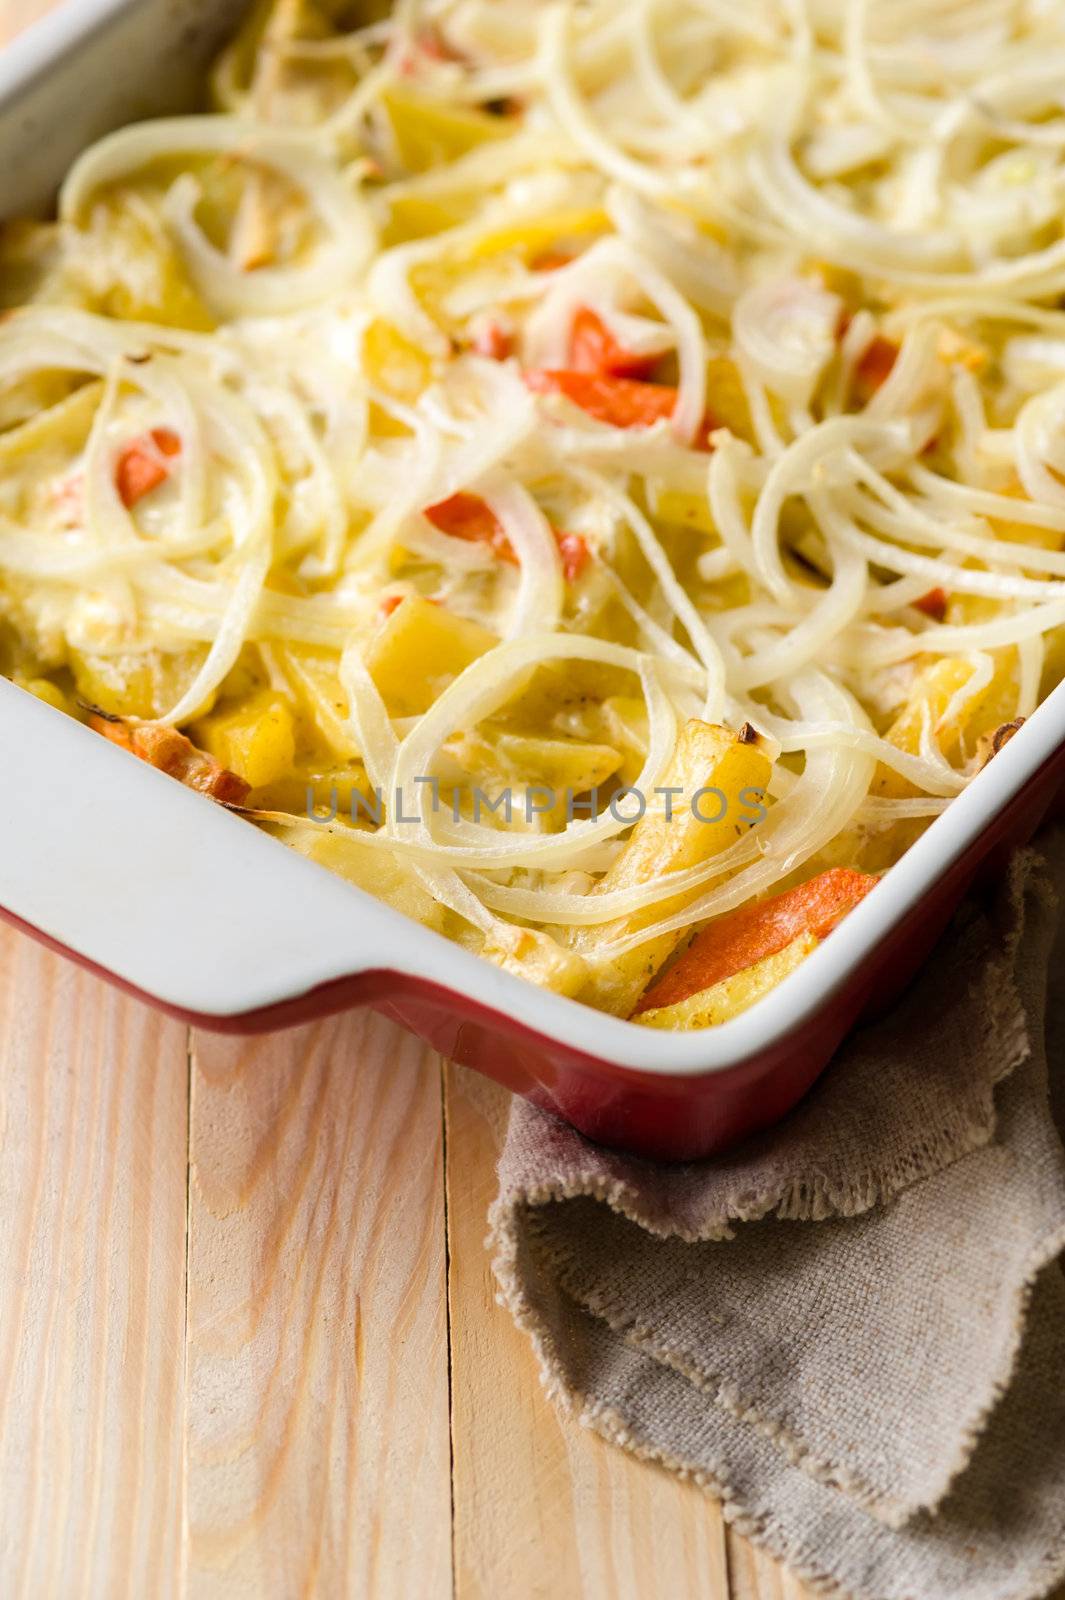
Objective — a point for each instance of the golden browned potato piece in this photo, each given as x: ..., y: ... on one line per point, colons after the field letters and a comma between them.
x: 955, y: 734
x: 706, y: 758
x: 722, y: 1001
x: 418, y: 652
x: 531, y: 954
x: 255, y: 738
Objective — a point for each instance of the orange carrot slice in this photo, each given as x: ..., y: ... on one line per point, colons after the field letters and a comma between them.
x: 933, y: 604
x: 593, y: 348
x: 466, y: 516
x: 874, y: 367
x: 142, y: 466
x: 619, y: 402
x: 392, y: 602
x: 552, y: 260
x: 494, y: 341
x: 743, y: 937
x: 170, y: 752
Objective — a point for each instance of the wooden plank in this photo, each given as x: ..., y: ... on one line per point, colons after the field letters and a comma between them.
x: 318, y: 1448
x: 756, y: 1576
x: 544, y: 1508
x: 93, y: 1169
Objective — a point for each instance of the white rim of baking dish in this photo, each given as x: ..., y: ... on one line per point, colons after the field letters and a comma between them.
x: 218, y: 919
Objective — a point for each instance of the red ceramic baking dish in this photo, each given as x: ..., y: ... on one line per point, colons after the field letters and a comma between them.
x: 199, y: 913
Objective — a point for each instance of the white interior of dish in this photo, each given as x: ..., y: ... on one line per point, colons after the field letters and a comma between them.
x: 194, y: 906
x: 89, y: 66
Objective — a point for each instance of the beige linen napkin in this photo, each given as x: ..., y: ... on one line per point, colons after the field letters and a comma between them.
x: 852, y: 1329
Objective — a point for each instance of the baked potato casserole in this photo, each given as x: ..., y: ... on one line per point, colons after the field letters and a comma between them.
x: 591, y: 473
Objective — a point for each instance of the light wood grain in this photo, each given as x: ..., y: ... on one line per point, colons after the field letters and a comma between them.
x: 92, y: 1293
x: 543, y: 1507
x: 318, y: 1449
x: 314, y: 1448
x: 755, y: 1576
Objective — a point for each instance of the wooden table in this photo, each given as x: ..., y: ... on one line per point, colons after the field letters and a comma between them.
x: 249, y: 1345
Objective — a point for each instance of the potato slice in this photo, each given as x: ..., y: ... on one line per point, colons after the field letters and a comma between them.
x: 137, y: 273
x: 44, y: 689
x: 322, y: 703
x: 393, y: 363
x: 413, y: 216
x: 523, y: 760
x: 387, y: 877
x: 428, y: 133
x: 342, y: 791
x: 536, y: 956
x: 724, y: 1000
x: 726, y: 398
x: 706, y: 758
x: 682, y: 507
x: 537, y: 236
x: 931, y: 695
x: 256, y: 739
x: 144, y: 683
x: 619, y: 721
x: 419, y: 651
